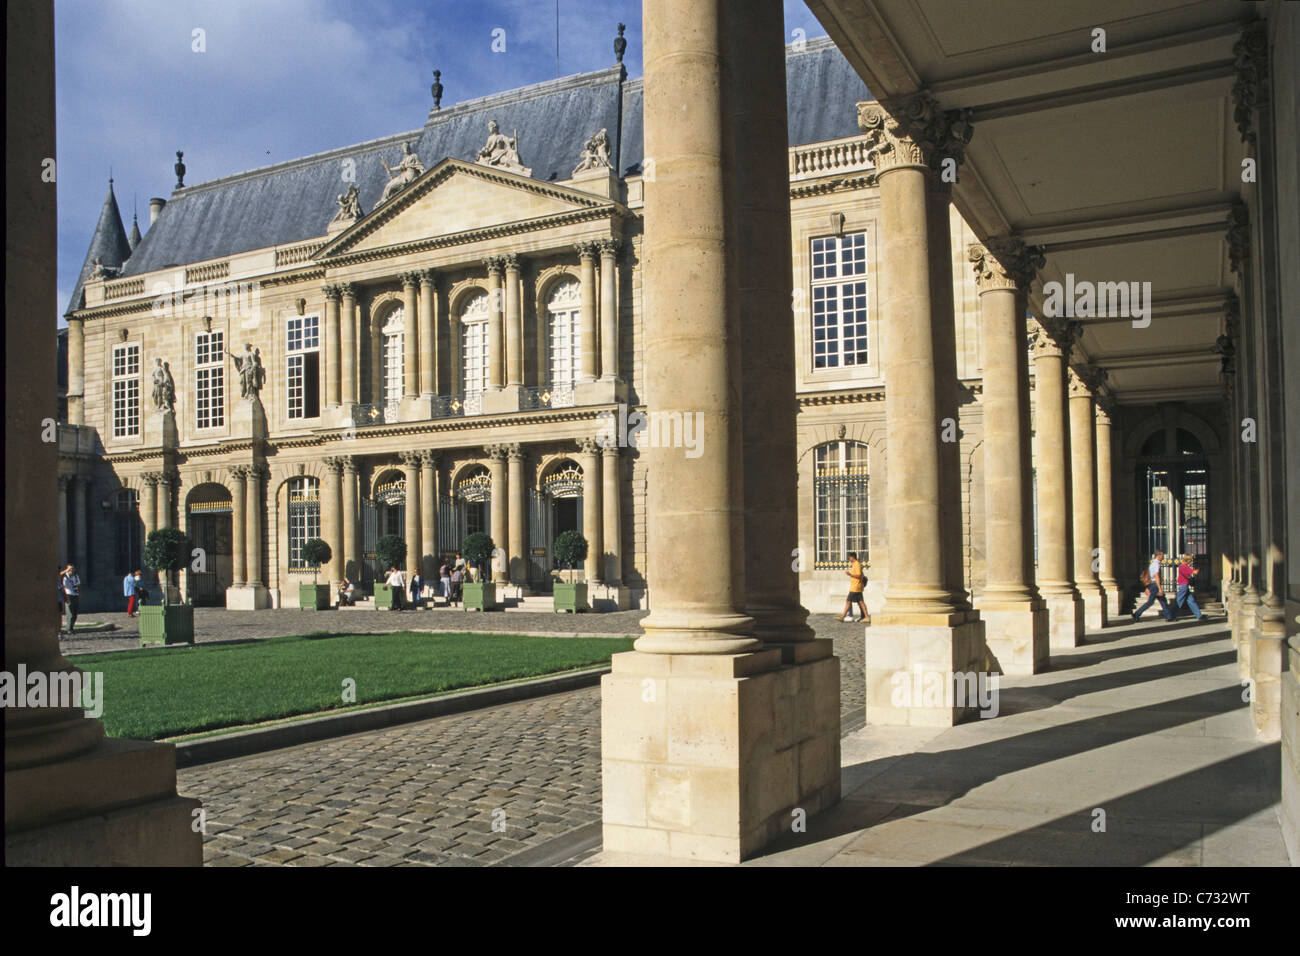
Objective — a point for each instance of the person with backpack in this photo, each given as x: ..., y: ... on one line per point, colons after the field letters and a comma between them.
x: 857, y: 582
x: 1150, y: 579
x: 1185, y: 596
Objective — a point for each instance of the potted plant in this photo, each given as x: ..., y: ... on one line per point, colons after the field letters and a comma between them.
x: 570, y: 548
x: 167, y: 551
x: 315, y: 596
x: 480, y: 595
x: 390, y: 552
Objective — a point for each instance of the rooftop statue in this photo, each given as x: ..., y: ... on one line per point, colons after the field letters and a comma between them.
x: 349, y: 205
x: 595, y: 154
x: 406, y: 172
x: 502, y: 151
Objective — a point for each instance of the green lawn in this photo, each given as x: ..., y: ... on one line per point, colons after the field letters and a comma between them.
x: 165, y: 692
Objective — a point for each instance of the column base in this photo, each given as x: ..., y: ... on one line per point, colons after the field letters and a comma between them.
x: 1094, y: 606
x: 1064, y: 620
x: 1268, y: 656
x: 115, y: 805
x: 501, y: 401
x: 415, y: 408
x: 709, y: 757
x: 912, y: 672
x: 1017, y: 636
x: 247, y: 597
x: 1241, y: 633
x: 1111, y: 601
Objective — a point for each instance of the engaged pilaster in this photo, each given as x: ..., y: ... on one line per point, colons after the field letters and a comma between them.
x: 333, y: 351
x: 350, y: 361
x: 587, y: 252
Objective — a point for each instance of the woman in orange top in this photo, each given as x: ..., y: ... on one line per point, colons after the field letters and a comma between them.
x: 857, y: 581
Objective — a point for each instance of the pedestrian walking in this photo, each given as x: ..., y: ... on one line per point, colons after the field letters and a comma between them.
x: 71, y: 586
x: 457, y: 582
x: 417, y: 589
x: 1151, y: 582
x: 1185, y: 596
x: 857, y: 582
x: 398, y: 585
x: 128, y: 592
x: 444, y: 580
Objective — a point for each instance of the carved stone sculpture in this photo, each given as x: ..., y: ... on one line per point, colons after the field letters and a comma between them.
x: 349, y: 205
x: 595, y: 154
x: 502, y: 151
x: 164, y: 389
x: 406, y: 172
x: 252, y: 376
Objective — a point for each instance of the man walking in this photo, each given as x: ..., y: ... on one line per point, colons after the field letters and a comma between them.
x: 1151, y: 580
x: 71, y: 585
x: 1185, y: 596
x: 857, y: 581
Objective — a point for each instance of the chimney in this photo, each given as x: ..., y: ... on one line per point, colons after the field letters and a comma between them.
x: 155, y: 207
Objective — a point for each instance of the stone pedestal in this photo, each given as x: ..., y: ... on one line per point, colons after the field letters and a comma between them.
x: 600, y: 182
x: 160, y: 430
x: 248, y: 420
x: 706, y: 757
x: 502, y: 401
x: 248, y: 597
x: 1268, y: 645
x: 1017, y: 635
x: 1065, y: 619
x: 419, y: 408
x: 912, y: 661
x: 606, y: 597
x: 602, y: 392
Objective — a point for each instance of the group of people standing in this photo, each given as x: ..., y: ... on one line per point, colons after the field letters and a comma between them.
x: 452, y: 574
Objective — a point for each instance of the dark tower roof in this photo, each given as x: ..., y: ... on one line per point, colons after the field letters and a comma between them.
x: 109, y: 245
x: 134, y: 238
x: 293, y: 201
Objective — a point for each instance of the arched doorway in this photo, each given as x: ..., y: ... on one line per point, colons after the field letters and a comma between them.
x: 1173, y: 483
x: 208, y: 514
x: 556, y: 508
x: 383, y: 514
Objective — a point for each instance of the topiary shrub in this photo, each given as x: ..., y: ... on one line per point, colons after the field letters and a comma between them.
x: 167, y: 550
x: 316, y: 552
x: 570, y: 548
x: 478, y: 548
x: 390, y: 551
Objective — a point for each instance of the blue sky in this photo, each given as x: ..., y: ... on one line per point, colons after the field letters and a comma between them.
x: 281, y: 79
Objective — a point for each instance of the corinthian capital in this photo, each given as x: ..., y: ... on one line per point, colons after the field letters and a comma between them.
x: 1005, y: 263
x: 914, y: 131
x: 1086, y: 380
x: 1250, y: 88
x: 1238, y: 237
x: 1042, y: 343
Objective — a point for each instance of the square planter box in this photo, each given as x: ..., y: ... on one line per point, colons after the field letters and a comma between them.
x: 479, y: 597
x: 170, y: 624
x: 570, y: 597
x: 384, y: 597
x: 314, y: 597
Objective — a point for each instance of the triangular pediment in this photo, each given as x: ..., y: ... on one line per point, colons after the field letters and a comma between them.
x: 456, y: 198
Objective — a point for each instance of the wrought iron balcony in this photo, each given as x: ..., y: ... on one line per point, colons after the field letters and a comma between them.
x: 544, y: 396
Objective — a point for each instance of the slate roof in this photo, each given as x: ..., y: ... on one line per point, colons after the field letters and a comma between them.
x: 109, y: 244
x: 292, y: 202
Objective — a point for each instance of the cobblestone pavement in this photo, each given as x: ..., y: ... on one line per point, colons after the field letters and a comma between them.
x: 429, y: 792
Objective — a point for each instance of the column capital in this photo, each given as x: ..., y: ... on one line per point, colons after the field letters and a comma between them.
x: 587, y: 250
x: 914, y: 131
x: 590, y: 445
x: 1005, y: 263
x: 510, y: 261
x: 255, y: 472
x: 1238, y: 237
x: 608, y: 448
x: 348, y: 290
x: 515, y: 451
x: 334, y: 463
x: 153, y: 477
x: 1105, y: 405
x: 496, y: 452
x: 494, y: 266
x: 410, y: 280
x: 1086, y: 380
x: 411, y: 459
x: 332, y: 292
x: 64, y: 481
x: 430, y: 458
x: 609, y: 248
x: 1250, y: 88
x: 236, y: 471
x: 349, y: 463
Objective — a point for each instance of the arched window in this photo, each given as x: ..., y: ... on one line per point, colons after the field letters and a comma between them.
x: 394, y: 368
x: 474, y: 348
x: 840, y: 499
x: 474, y: 497
x: 564, y: 333
x: 304, y: 518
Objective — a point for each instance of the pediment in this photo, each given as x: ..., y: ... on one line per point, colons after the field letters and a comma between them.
x: 458, y: 198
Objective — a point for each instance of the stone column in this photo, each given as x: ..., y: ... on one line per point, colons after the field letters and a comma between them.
x: 376, y: 359
x: 608, y: 309
x: 76, y: 371
x: 428, y: 341
x: 513, y: 323
x: 333, y: 352
x: 500, y: 507
x: 1083, y: 480
x: 410, y: 334
x: 332, y: 518
x: 592, y: 513
x: 253, y: 524
x: 496, y: 302
x: 924, y: 626
x: 62, y: 518
x: 351, y: 556
x: 516, y: 555
x: 414, y: 520
x: 80, y: 515
x: 1055, y: 538
x: 164, y: 519
x: 238, y: 537
x: 429, y: 513
x: 587, y: 256
x: 1015, y: 615
x: 1106, y: 514
x: 455, y: 364
x: 350, y: 361
x: 72, y: 797
x: 149, y: 507
x: 612, y: 529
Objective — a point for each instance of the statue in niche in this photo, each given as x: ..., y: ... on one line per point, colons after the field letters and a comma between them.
x: 502, y: 151
x: 251, y: 374
x: 164, y: 387
x: 349, y: 205
x: 595, y: 154
x: 406, y: 172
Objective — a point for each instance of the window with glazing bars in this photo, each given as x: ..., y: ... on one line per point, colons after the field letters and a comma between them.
x: 126, y: 391
x: 840, y: 498
x: 839, y: 301
x: 209, y: 380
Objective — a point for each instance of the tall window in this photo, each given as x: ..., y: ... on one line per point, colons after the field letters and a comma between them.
x: 303, y: 347
x: 209, y: 380
x: 474, y: 350
x: 127, y: 518
x: 564, y: 309
x: 394, y: 369
x: 840, y: 493
x: 126, y: 391
x: 304, y: 518
x: 839, y: 301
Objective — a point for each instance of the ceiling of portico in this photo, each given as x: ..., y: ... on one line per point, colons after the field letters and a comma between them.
x: 1122, y: 164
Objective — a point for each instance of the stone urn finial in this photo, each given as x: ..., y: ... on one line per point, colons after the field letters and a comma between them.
x: 436, y: 89
x: 620, y: 44
x: 180, y: 170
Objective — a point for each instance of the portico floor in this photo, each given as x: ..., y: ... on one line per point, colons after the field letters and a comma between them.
x: 1135, y: 749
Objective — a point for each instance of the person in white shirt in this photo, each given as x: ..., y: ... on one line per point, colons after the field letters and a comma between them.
x: 1154, y: 590
x: 398, y: 583
x: 71, y: 585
